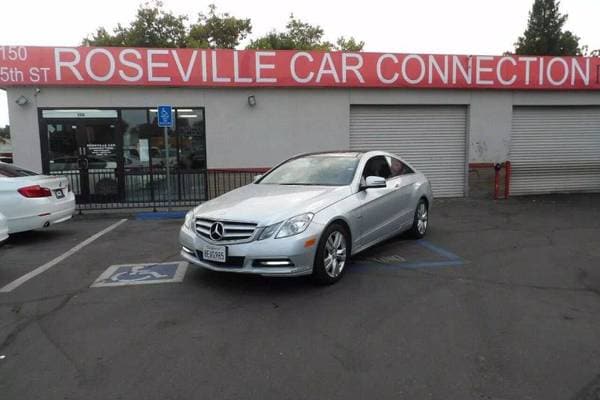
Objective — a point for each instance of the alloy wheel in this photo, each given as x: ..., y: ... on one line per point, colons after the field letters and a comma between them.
x: 422, y: 218
x: 335, y: 254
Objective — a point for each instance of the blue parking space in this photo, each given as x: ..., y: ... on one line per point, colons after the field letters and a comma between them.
x: 409, y: 255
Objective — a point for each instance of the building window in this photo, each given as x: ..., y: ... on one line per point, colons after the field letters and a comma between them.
x: 119, y: 154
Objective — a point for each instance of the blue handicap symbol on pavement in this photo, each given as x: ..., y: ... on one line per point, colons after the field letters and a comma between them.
x: 144, y: 272
x: 134, y: 274
x: 165, y: 116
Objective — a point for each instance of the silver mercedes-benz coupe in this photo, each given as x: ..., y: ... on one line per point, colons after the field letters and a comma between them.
x: 308, y: 214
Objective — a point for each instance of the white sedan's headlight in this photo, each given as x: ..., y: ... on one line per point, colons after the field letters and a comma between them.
x: 295, y: 225
x: 189, y: 220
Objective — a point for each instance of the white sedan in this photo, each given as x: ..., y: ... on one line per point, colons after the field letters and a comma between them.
x: 32, y: 201
x: 3, y: 228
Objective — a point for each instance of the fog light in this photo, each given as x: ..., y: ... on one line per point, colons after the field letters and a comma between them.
x: 273, y: 263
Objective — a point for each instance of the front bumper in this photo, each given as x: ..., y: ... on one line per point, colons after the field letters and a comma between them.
x: 291, y: 248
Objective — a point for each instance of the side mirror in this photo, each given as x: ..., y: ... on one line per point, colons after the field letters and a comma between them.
x: 256, y: 177
x: 373, y: 182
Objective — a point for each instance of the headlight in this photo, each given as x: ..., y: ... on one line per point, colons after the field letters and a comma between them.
x: 189, y: 220
x: 269, y: 231
x: 295, y: 225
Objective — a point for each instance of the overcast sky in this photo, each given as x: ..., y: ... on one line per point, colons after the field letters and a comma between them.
x: 404, y: 26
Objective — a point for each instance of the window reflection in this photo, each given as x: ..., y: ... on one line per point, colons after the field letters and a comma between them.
x: 136, y: 133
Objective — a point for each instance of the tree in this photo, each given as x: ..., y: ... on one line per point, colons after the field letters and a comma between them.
x: 218, y: 30
x: 155, y: 27
x: 152, y: 27
x: 301, y: 35
x: 544, y: 34
x: 349, y: 44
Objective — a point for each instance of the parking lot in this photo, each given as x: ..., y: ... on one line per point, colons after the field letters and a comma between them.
x: 501, y: 301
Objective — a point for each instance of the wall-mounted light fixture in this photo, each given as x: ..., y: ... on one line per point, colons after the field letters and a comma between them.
x: 251, y: 100
x: 22, y: 100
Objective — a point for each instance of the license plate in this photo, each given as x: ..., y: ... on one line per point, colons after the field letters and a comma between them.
x: 59, y: 194
x: 215, y: 253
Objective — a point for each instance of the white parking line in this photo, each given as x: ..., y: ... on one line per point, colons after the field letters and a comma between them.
x: 19, y: 281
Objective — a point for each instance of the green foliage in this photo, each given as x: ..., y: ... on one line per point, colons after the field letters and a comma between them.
x: 302, y: 36
x: 155, y: 27
x: 218, y: 30
x: 544, y: 34
x: 349, y: 44
x: 152, y: 27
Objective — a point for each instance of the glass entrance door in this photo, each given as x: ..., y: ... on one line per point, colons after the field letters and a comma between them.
x: 98, y: 161
x: 86, y: 151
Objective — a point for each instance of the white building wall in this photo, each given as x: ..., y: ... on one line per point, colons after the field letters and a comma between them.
x: 284, y: 121
x: 24, y: 129
x: 490, y: 118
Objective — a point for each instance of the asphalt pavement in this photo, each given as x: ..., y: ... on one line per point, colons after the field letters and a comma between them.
x: 501, y: 301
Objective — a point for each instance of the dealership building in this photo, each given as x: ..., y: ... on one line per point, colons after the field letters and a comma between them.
x: 85, y: 111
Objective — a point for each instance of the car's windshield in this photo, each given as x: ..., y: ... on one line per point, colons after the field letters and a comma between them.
x: 12, y: 171
x: 325, y: 170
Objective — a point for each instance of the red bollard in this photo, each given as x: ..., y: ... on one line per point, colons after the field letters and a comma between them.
x: 507, y: 179
x: 497, y: 168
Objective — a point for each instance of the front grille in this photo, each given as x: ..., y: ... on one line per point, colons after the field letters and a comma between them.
x: 234, y: 231
x: 231, y: 262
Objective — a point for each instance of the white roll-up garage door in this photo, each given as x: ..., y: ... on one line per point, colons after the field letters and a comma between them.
x: 432, y: 138
x: 555, y: 149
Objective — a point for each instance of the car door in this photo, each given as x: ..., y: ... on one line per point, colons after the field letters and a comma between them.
x: 402, y: 179
x: 375, y: 204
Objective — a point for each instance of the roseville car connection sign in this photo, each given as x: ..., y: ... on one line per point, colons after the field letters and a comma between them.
x: 80, y: 66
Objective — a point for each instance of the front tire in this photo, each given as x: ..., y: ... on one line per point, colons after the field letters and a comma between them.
x: 420, y: 221
x: 333, y: 255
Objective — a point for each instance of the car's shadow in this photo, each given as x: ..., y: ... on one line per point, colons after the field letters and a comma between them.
x: 249, y: 283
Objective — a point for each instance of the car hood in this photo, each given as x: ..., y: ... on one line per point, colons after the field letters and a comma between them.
x: 268, y: 204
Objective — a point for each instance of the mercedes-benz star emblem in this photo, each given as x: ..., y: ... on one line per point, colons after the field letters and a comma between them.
x: 216, y: 231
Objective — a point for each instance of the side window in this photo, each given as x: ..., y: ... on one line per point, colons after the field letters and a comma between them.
x: 377, y: 166
x: 397, y: 167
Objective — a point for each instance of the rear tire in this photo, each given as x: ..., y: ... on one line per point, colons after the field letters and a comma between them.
x: 420, y: 221
x: 333, y: 255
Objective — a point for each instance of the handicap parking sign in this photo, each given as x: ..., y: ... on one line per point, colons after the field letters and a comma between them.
x: 165, y: 116
x: 140, y: 274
